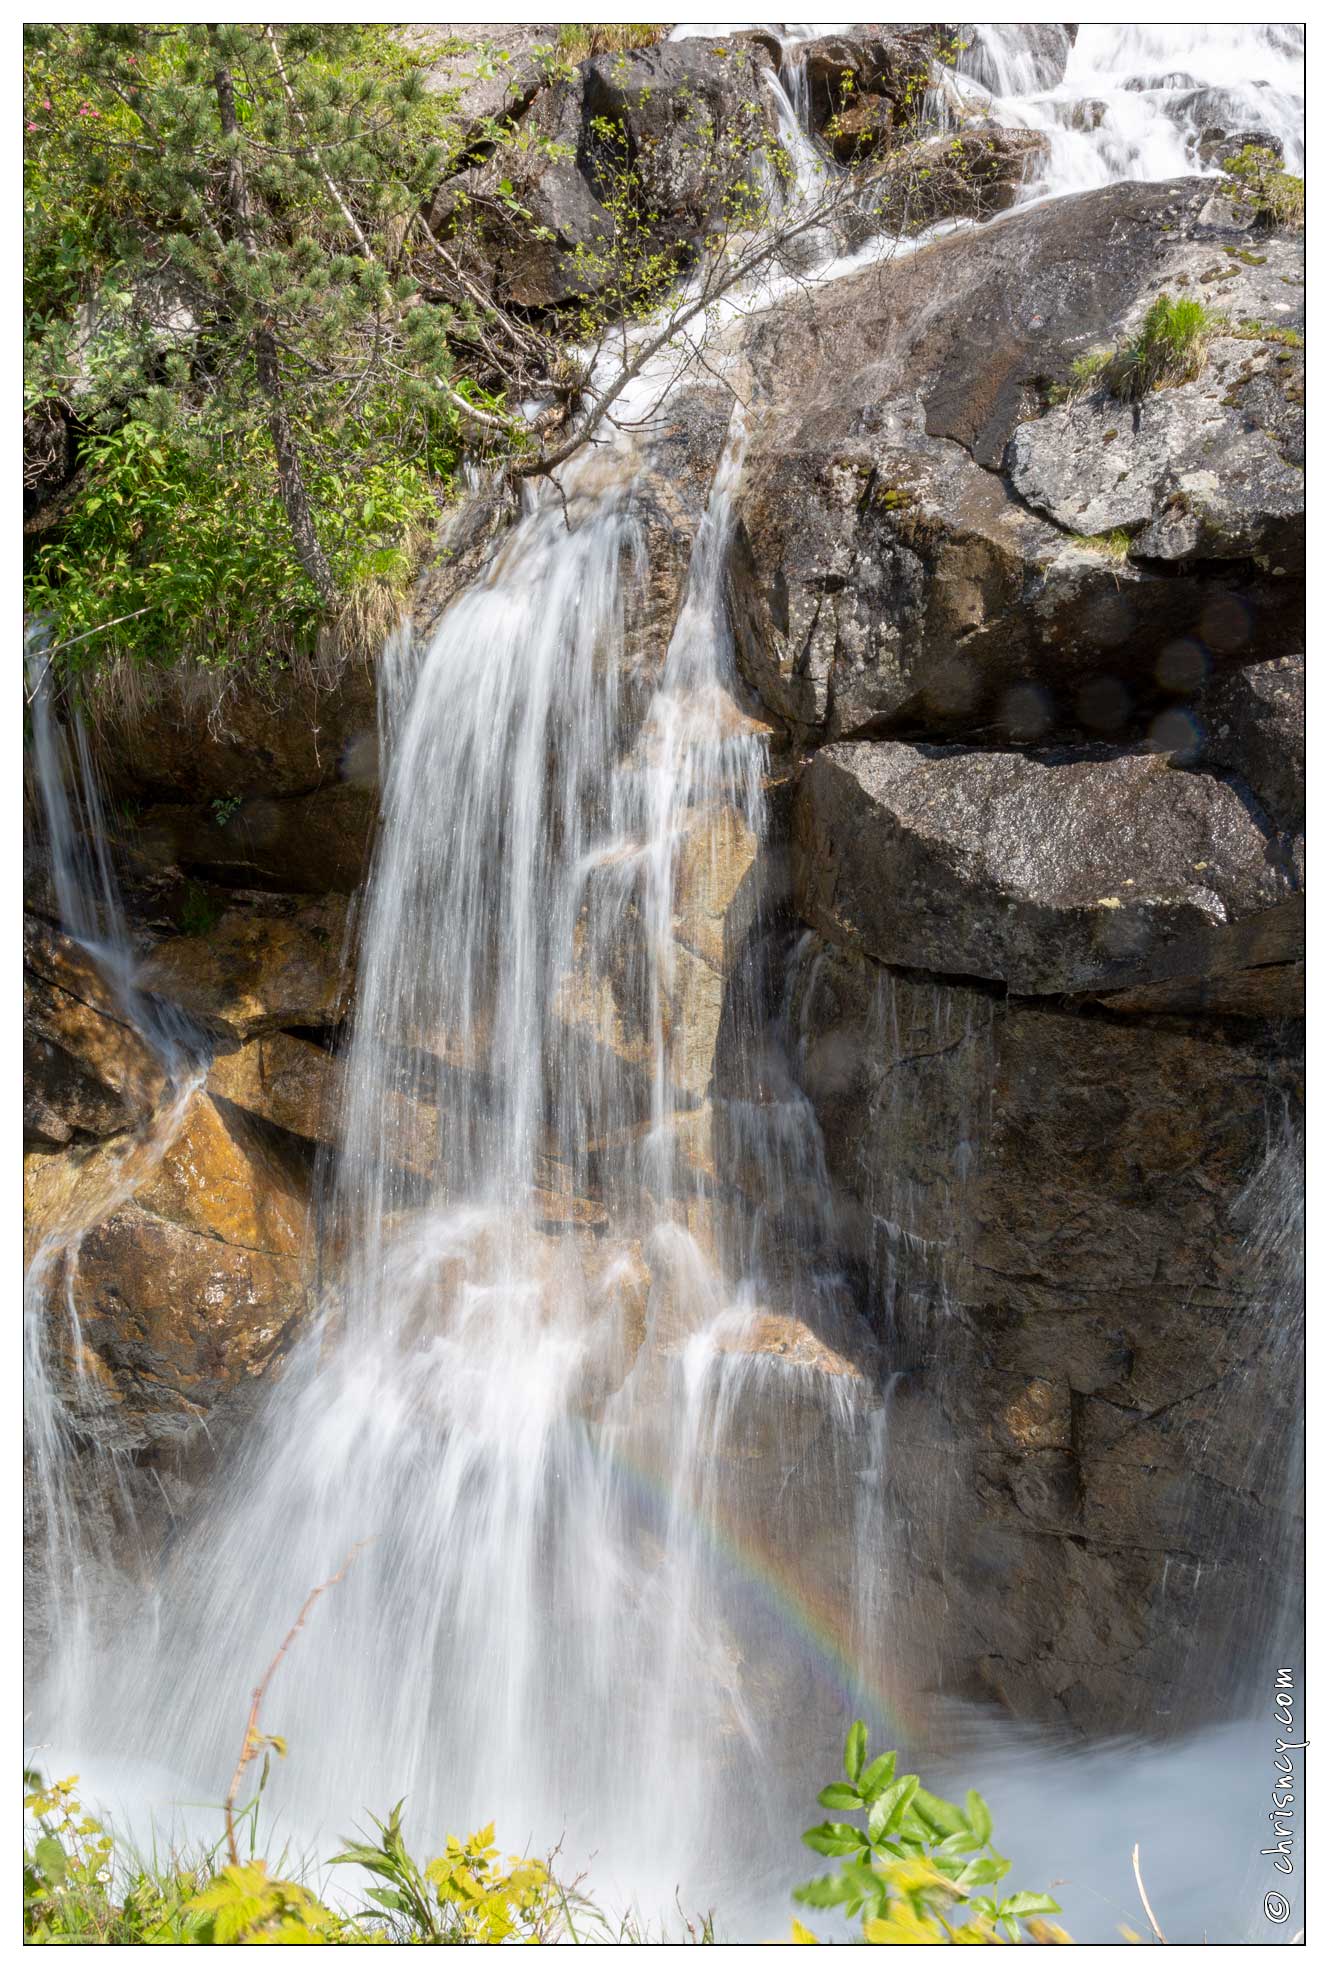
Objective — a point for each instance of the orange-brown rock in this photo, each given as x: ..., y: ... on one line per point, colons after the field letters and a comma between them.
x: 191, y: 1284
x: 784, y: 1336
x: 290, y: 1082
x: 259, y: 968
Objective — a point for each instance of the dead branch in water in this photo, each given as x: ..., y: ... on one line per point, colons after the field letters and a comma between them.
x: 253, y: 1742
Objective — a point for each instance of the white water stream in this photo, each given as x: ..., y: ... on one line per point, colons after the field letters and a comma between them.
x: 554, y: 1393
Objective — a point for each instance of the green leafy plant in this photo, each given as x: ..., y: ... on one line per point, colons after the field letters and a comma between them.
x: 909, y: 1871
x: 464, y: 1895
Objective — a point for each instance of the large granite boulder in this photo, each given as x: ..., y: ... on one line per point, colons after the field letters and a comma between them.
x: 631, y: 153
x: 1044, y: 872
x: 547, y: 238
x: 679, y: 127
x: 1210, y: 470
x: 883, y: 73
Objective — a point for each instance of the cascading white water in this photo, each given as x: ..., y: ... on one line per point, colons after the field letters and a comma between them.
x: 551, y: 1396
x: 1135, y: 101
x: 65, y: 1404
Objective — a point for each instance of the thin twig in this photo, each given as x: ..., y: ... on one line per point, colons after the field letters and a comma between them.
x: 1139, y: 1881
x: 356, y: 230
x: 100, y: 630
x: 253, y: 1741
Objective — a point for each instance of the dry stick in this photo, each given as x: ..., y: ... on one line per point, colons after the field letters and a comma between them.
x: 249, y: 1748
x: 299, y: 122
x: 1135, y: 1862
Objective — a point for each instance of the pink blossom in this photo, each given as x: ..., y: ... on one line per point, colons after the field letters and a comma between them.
x: 32, y: 126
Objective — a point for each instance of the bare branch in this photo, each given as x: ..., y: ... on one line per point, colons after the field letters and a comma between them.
x: 1139, y: 1881
x: 253, y: 1742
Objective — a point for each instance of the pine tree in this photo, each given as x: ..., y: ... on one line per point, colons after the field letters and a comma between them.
x: 258, y: 181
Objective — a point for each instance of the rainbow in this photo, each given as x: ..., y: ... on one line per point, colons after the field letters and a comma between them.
x: 819, y: 1626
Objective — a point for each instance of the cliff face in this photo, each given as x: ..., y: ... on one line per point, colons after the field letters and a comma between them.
x: 1026, y: 665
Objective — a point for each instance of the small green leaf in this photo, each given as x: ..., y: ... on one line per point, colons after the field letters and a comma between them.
x: 834, y: 1838
x: 840, y: 1797
x: 887, y: 1815
x: 51, y: 1857
x: 978, y: 1815
x: 829, y: 1891
x: 876, y: 1777
x: 958, y: 1842
x: 855, y: 1750
x: 1019, y: 1905
x: 935, y: 1812
x: 981, y: 1873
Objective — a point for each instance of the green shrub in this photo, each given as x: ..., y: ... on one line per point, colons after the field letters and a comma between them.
x: 182, y: 533
x: 1168, y: 348
x: 1276, y: 197
x: 910, y: 1870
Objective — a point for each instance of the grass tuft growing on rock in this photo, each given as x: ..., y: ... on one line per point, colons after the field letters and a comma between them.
x: 1168, y: 348
x: 1115, y: 544
x: 1263, y: 331
x: 579, y: 39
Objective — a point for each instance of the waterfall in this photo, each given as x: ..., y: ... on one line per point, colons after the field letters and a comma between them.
x: 535, y: 1412
x: 585, y: 1394
x: 65, y: 1403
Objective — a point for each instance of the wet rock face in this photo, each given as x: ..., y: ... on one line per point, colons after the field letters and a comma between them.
x: 1052, y: 859
x: 1057, y: 1208
x: 1046, y: 49
x: 279, y: 962
x: 903, y: 560
x: 86, y: 1071
x: 204, y: 738
x: 1252, y: 724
